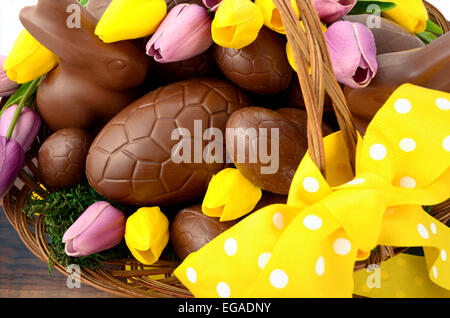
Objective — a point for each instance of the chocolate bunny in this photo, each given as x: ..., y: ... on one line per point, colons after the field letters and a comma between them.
x: 427, y: 67
x: 93, y: 80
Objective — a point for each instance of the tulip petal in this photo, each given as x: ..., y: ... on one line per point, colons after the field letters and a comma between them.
x: 332, y: 10
x: 11, y: 161
x: 184, y: 33
x: 147, y: 234
x: 230, y: 195
x: 7, y: 87
x: 27, y: 126
x: 85, y: 220
x: 69, y: 250
x: 411, y: 14
x: 350, y: 43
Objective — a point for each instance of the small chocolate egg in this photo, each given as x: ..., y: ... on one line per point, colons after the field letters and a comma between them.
x: 266, y: 147
x: 202, y: 65
x: 191, y: 230
x: 62, y: 157
x: 260, y: 68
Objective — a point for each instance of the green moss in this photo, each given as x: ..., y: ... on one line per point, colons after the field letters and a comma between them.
x: 61, y: 209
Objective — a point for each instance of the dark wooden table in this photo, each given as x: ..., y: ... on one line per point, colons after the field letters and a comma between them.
x: 24, y: 275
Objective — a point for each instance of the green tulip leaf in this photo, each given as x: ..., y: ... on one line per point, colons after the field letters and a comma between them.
x: 363, y: 7
x: 427, y: 37
x: 434, y: 28
x: 84, y: 2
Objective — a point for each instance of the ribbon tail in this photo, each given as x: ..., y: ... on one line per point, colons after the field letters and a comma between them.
x: 410, y: 225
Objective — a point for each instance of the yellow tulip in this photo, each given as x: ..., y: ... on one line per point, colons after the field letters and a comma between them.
x: 130, y: 19
x: 28, y: 59
x: 289, y: 54
x: 272, y: 17
x: 147, y: 234
x: 236, y: 23
x: 230, y: 195
x: 410, y: 14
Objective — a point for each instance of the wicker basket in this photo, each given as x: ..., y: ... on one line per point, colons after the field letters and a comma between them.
x: 309, y: 46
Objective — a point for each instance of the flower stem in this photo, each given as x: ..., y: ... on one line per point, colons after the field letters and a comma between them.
x: 24, y: 98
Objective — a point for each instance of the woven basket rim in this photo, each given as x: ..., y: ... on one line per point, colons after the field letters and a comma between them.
x: 135, y: 282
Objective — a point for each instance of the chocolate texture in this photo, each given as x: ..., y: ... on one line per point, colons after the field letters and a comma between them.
x: 94, y: 80
x: 260, y: 68
x: 98, y: 7
x: 132, y: 159
x: 62, y: 157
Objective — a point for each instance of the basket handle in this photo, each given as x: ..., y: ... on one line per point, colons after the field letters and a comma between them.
x: 309, y: 47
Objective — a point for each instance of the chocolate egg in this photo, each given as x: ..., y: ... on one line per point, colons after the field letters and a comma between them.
x: 260, y: 68
x: 253, y: 131
x: 191, y: 230
x: 389, y: 36
x: 202, y: 65
x: 62, y: 157
x: 152, y: 153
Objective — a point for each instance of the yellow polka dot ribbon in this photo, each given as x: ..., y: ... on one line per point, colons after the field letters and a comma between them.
x: 308, y: 246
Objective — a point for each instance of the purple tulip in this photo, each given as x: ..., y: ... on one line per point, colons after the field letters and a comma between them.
x: 27, y: 126
x: 12, y: 158
x: 184, y: 33
x: 332, y: 10
x: 99, y: 228
x: 353, y: 53
x: 213, y: 5
x: 7, y: 87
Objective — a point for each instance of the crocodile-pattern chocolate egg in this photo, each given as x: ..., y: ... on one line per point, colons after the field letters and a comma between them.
x: 191, y: 230
x: 158, y: 150
x: 255, y: 131
x: 62, y: 157
x: 260, y: 68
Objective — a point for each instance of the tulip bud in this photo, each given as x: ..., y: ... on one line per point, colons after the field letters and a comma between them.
x: 230, y: 195
x: 147, y: 234
x: 126, y: 20
x: 353, y: 53
x: 332, y: 10
x: 411, y: 14
x: 28, y: 59
x: 12, y: 158
x: 26, y: 128
x: 184, y: 33
x: 7, y: 87
x: 99, y: 228
x: 272, y: 17
x: 213, y: 5
x: 236, y: 23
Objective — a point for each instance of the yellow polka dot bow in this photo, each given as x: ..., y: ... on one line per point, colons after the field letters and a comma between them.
x: 308, y: 247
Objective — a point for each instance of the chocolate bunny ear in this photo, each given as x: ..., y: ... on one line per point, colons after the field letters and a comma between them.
x: 51, y: 23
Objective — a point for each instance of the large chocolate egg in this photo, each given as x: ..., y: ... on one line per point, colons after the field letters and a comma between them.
x: 62, y: 157
x: 157, y: 152
x: 266, y: 146
x: 260, y: 68
x: 191, y: 230
x: 98, y: 7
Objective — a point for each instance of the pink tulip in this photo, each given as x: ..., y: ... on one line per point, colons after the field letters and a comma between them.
x: 184, y: 33
x: 27, y: 126
x: 7, y: 87
x: 12, y: 158
x: 213, y: 5
x: 332, y: 10
x: 353, y: 53
x: 99, y: 228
